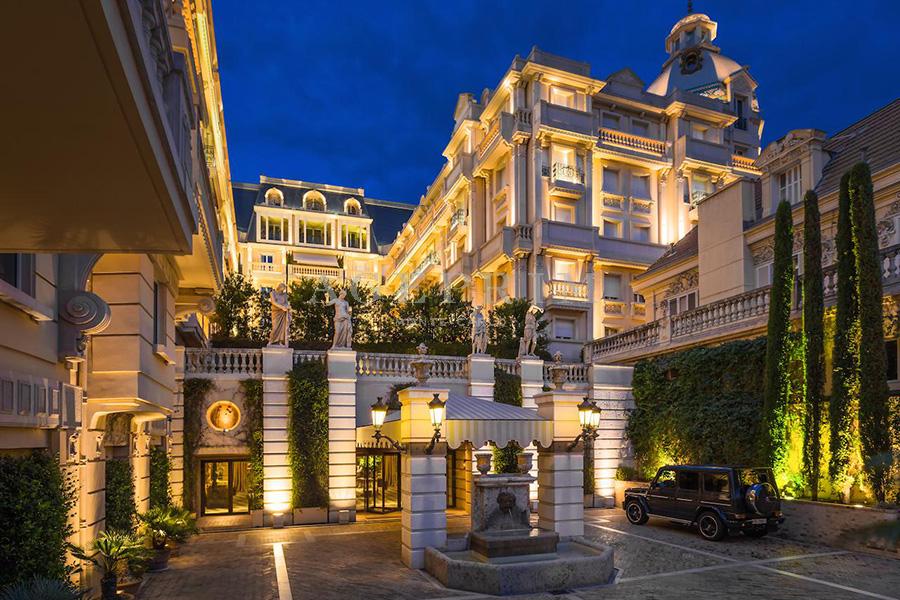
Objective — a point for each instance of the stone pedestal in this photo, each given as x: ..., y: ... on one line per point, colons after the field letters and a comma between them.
x: 341, y: 436
x: 423, y: 482
x: 561, y: 476
x: 532, y: 373
x: 611, y: 388
x: 481, y: 376
x: 277, y: 361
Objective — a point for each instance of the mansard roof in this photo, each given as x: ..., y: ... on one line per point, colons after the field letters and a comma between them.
x: 681, y: 250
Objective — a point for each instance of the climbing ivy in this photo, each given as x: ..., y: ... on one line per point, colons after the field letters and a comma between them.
x: 195, y: 392
x: 160, y: 491
x: 253, y: 400
x: 814, y: 337
x: 308, y: 434
x: 121, y: 510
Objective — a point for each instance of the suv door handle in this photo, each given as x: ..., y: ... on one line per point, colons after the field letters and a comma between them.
x: 686, y: 499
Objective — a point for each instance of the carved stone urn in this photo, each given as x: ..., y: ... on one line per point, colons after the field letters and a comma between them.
x: 421, y: 366
x: 559, y: 373
x: 524, y: 461
x: 483, y: 462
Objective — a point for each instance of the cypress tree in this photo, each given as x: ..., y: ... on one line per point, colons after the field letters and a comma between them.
x: 777, y: 389
x: 845, y: 359
x: 813, y: 332
x: 873, y: 391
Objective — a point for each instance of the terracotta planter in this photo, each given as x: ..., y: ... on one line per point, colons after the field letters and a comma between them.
x: 310, y: 516
x: 160, y: 561
x: 129, y: 586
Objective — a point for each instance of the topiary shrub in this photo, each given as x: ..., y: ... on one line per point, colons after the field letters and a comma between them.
x: 121, y: 510
x: 253, y: 413
x: 813, y: 333
x: 308, y: 434
x: 160, y: 490
x: 507, y: 390
x: 35, y: 499
x: 195, y: 392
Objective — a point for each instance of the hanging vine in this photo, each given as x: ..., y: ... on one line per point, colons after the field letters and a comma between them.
x: 253, y: 396
x: 195, y: 391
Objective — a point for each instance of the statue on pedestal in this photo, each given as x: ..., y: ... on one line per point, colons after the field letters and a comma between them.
x: 281, y: 316
x: 528, y: 342
x: 343, y: 325
x: 479, y: 332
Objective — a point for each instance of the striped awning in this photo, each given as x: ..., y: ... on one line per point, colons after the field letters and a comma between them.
x: 476, y: 421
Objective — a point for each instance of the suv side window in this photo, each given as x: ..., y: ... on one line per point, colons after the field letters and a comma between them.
x: 688, y: 481
x: 716, y: 486
x: 665, y: 480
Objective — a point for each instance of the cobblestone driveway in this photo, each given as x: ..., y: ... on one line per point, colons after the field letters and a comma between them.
x: 659, y: 560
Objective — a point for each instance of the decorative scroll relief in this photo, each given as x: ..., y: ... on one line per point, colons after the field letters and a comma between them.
x: 887, y: 230
x: 87, y: 314
x: 683, y: 283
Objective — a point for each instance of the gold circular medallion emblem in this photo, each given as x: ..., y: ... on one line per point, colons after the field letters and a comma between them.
x: 223, y: 416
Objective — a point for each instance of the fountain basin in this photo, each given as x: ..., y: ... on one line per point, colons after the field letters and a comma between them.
x: 576, y: 563
x: 515, y: 542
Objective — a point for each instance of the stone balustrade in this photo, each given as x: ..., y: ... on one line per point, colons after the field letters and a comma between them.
x: 639, y: 337
x: 578, y: 372
x: 744, y: 163
x: 263, y: 267
x: 567, y: 289
x: 715, y: 314
x: 507, y: 365
x: 381, y: 364
x: 223, y: 361
x: 299, y: 271
x: 629, y: 140
x: 305, y: 356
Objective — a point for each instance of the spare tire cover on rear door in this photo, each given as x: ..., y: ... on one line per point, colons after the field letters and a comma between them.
x: 761, y: 498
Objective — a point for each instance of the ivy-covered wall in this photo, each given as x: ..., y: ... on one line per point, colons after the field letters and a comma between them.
x: 121, y: 510
x: 195, y: 391
x: 507, y: 390
x: 160, y: 491
x: 308, y: 434
x: 253, y: 413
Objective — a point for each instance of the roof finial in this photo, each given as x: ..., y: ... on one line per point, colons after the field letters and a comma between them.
x: 690, y: 7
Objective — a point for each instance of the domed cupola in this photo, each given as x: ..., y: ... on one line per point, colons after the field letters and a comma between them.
x: 695, y: 64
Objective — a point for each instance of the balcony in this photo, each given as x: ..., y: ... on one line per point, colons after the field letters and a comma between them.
x: 641, y: 253
x: 457, y: 221
x: 566, y: 180
x: 613, y: 201
x: 462, y: 267
x: 743, y: 163
x: 313, y: 272
x: 618, y: 140
x: 106, y: 106
x: 566, y: 294
x: 614, y: 308
x: 566, y: 235
x: 564, y: 120
x: 461, y: 170
x: 268, y: 268
x: 689, y: 148
x: 507, y: 127
x: 421, y: 269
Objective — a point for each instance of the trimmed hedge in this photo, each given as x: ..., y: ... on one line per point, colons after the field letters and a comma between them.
x: 35, y: 499
x: 507, y: 390
x: 160, y: 490
x: 195, y: 391
x: 701, y: 405
x: 121, y: 510
x: 253, y: 413
x: 814, y: 335
x: 308, y: 434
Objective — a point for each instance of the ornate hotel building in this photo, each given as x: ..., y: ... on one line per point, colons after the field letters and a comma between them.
x: 108, y: 267
x: 563, y: 187
x: 294, y: 229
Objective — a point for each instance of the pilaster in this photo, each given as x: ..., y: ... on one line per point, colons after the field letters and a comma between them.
x: 481, y: 376
x: 341, y: 435
x: 611, y: 389
x: 560, y: 471
x: 277, y: 361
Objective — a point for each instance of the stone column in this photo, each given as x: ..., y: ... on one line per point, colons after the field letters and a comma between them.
x: 423, y: 478
x: 276, y: 466
x: 342, y: 436
x: 532, y: 373
x: 520, y: 182
x: 611, y: 388
x: 175, y: 445
x: 561, y: 476
x: 481, y: 376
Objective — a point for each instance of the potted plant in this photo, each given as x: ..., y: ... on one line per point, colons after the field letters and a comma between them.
x: 162, y: 525
x: 110, y: 552
x: 256, y: 508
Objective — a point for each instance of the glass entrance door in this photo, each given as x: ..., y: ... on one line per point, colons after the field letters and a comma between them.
x: 377, y: 481
x: 224, y: 487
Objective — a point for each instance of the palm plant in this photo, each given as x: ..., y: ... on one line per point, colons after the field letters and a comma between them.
x: 111, y: 552
x: 168, y: 523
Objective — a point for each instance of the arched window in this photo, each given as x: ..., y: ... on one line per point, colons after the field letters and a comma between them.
x: 313, y: 200
x: 274, y: 197
x: 352, y: 207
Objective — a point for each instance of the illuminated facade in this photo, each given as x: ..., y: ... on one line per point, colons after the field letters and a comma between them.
x: 562, y: 187
x: 297, y: 229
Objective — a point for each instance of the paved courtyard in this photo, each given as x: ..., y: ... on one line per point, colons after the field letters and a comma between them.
x: 658, y: 560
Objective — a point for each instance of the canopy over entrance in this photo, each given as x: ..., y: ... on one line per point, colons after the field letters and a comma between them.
x: 470, y: 419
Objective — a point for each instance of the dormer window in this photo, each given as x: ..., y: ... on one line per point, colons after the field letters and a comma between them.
x: 314, y: 201
x: 789, y: 185
x: 352, y: 207
x: 274, y: 197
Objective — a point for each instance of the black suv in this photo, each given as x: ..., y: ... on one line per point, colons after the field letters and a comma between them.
x: 719, y: 500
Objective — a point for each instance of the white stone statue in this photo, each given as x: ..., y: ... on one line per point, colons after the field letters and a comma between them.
x: 343, y: 325
x: 528, y: 342
x: 479, y: 332
x: 281, y: 316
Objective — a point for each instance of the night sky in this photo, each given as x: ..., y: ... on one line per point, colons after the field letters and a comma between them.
x: 362, y: 94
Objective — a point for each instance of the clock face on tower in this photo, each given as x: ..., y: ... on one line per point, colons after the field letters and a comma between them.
x: 691, y: 61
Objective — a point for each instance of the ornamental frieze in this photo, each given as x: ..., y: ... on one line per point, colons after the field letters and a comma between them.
x: 683, y: 283
x: 886, y: 228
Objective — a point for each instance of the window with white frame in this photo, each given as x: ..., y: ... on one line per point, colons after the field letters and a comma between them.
x: 563, y: 211
x: 640, y: 185
x: 314, y: 200
x: 682, y: 303
x: 564, y: 329
x: 789, y: 185
x: 316, y: 233
x: 640, y: 233
x: 274, y: 197
x: 499, y: 179
x: 612, y: 286
x: 612, y: 229
x: 764, y: 274
x: 267, y: 259
x: 611, y: 121
x: 701, y: 187
x: 354, y: 236
x: 611, y: 181
x: 352, y: 207
x: 500, y: 214
x: 273, y: 229
x: 608, y: 331
x: 562, y: 96
x: 565, y: 270
x: 639, y: 298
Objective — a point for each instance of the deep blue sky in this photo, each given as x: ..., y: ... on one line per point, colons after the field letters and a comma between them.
x: 362, y: 94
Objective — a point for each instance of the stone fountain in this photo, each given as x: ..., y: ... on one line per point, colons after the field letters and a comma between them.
x: 503, y: 554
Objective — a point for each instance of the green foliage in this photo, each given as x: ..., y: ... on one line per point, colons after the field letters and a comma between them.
x: 507, y: 390
x: 393, y: 399
x: 701, y: 405
x: 310, y: 319
x: 845, y: 357
x: 507, y: 326
x: 234, y: 314
x: 629, y: 473
x: 875, y: 437
x: 121, y: 510
x: 35, y: 499
x: 814, y: 337
x: 41, y: 588
x: 160, y: 490
x: 253, y: 413
x: 112, y: 550
x: 777, y: 382
x: 168, y: 523
x: 308, y: 434
x: 437, y: 316
x: 195, y: 391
